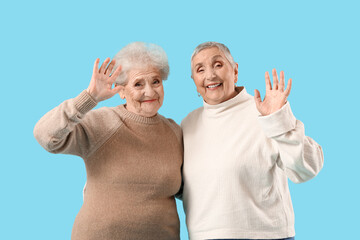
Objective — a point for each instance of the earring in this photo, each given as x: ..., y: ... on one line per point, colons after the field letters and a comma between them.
x: 198, y: 94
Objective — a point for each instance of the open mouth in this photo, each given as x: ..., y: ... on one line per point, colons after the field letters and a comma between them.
x: 214, y: 86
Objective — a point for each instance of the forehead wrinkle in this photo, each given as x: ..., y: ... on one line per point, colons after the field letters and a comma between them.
x: 143, y: 75
x: 219, y: 54
x: 216, y: 56
x: 212, y: 59
x: 142, y: 78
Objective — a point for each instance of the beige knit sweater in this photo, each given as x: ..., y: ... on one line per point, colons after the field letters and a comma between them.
x: 132, y: 163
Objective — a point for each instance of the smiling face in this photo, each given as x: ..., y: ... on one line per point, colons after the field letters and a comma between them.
x: 144, y: 92
x: 214, y: 76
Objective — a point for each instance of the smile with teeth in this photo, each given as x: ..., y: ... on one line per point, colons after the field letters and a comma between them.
x: 214, y: 85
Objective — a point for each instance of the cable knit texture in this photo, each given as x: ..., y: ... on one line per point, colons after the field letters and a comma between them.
x: 133, y: 167
x: 236, y: 166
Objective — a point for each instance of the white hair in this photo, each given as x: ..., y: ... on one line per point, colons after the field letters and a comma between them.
x: 225, y: 50
x: 141, y: 55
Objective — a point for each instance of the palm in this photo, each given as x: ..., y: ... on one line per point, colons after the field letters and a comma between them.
x: 275, y: 96
x: 101, y: 84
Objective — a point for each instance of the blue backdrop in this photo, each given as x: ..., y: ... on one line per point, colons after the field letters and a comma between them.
x: 47, y: 53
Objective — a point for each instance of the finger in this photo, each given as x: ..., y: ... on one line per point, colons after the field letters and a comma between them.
x: 116, y: 89
x: 267, y: 81
x: 110, y: 67
x: 103, y: 65
x: 115, y: 75
x: 288, y: 88
x: 282, y: 82
x: 96, y: 66
x: 257, y: 98
x: 275, y: 79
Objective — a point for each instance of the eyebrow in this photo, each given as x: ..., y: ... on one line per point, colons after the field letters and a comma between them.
x: 154, y: 76
x: 216, y: 56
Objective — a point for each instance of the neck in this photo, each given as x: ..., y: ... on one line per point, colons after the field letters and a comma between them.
x: 232, y: 95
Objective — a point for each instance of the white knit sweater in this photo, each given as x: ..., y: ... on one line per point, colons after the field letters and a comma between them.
x: 236, y: 165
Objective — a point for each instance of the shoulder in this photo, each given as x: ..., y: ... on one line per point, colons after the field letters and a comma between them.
x: 173, y: 126
x: 101, y: 124
x: 102, y: 118
x: 192, y: 117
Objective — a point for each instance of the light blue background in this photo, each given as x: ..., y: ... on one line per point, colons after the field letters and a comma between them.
x: 47, y: 53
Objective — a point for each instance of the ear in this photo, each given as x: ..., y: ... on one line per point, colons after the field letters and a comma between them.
x: 236, y: 72
x: 122, y: 91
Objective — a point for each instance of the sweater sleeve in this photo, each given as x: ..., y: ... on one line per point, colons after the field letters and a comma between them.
x: 178, y: 132
x: 61, y: 129
x: 299, y: 156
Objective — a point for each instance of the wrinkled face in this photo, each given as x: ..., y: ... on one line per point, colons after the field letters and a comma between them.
x: 143, y: 92
x: 214, y: 76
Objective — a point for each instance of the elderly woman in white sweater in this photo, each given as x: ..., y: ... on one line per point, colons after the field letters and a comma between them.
x: 239, y: 152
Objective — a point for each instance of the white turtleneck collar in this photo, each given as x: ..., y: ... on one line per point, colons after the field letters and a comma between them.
x: 224, y: 107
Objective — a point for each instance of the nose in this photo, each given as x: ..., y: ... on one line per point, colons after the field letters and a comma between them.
x: 149, y: 90
x: 210, y: 74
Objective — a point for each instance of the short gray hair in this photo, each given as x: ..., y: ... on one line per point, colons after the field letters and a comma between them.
x: 141, y: 55
x: 224, y: 49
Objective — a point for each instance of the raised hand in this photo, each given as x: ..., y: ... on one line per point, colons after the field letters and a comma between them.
x: 275, y: 96
x: 100, y: 87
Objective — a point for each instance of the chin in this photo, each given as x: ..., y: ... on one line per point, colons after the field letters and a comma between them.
x: 215, y: 100
x: 151, y: 114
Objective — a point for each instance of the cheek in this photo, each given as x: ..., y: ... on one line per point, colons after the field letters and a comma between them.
x: 160, y: 92
x: 133, y: 95
x: 230, y: 79
x: 199, y: 84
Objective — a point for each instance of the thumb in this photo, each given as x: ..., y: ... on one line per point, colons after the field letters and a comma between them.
x: 257, y: 98
x: 116, y: 89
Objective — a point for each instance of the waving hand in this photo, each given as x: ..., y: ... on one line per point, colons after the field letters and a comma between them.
x: 275, y: 96
x: 100, y: 87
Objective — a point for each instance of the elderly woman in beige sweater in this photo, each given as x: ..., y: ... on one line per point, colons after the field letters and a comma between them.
x: 132, y: 154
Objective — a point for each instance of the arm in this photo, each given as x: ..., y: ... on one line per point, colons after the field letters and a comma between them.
x: 62, y: 130
x: 299, y: 156
x: 178, y: 132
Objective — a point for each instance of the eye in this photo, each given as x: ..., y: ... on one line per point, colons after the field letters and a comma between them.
x: 156, y: 81
x: 137, y: 84
x: 200, y: 70
x: 218, y: 64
